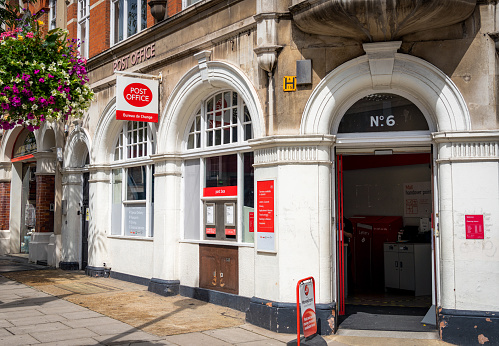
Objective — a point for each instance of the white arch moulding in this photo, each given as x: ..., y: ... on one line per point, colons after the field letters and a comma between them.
x: 77, y: 146
x: 191, y: 89
x: 413, y: 78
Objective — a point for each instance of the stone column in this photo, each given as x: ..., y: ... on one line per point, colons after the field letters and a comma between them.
x: 5, y: 168
x: 301, y: 169
x: 45, y: 192
x: 71, y: 220
x: 99, y: 220
x: 167, y: 185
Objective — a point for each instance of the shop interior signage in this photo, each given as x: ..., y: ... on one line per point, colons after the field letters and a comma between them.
x: 136, y: 99
x: 474, y: 227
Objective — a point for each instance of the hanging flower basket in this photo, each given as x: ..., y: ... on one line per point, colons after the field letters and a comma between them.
x: 42, y: 78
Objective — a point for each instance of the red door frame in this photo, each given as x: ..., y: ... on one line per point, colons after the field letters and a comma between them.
x: 340, y: 236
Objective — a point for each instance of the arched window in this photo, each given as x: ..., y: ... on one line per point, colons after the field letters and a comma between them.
x: 133, y: 181
x: 218, y: 174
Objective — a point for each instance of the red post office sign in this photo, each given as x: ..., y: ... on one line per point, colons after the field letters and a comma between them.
x: 307, y: 308
x: 474, y: 226
x: 220, y: 191
x: 230, y: 231
x: 265, y: 215
x: 211, y: 230
x: 137, y: 99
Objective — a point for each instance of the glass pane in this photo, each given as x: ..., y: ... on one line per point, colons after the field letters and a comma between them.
x: 210, y: 139
x: 136, y: 183
x: 218, y: 119
x: 135, y: 220
x: 218, y: 101
x: 226, y: 100
x: 246, y: 114
x: 144, y: 14
x: 234, y: 99
x: 116, y: 201
x: 190, y: 142
x: 218, y: 137
x: 234, y: 116
x: 83, y: 36
x: 226, y: 135
x: 132, y: 17
x: 119, y: 20
x: 192, y: 129
x: 209, y: 106
x: 118, y: 25
x: 221, y: 171
x: 234, y: 134
x: 198, y: 123
x: 249, y: 200
x: 198, y: 140
x: 227, y: 117
x: 247, y: 132
x: 210, y: 121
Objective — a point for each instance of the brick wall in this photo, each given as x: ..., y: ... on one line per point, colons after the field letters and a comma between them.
x: 174, y: 7
x: 4, y: 205
x: 45, y: 195
x: 72, y: 20
x: 99, y: 27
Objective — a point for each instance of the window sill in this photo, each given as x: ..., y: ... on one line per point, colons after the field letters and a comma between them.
x: 217, y: 242
x: 124, y: 237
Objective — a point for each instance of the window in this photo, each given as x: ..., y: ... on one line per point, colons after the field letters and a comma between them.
x: 128, y: 17
x: 52, y: 14
x: 132, y: 200
x: 188, y: 3
x: 218, y: 203
x: 83, y: 21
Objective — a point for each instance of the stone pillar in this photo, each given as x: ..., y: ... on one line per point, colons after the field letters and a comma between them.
x: 167, y: 186
x: 99, y: 220
x: 45, y: 193
x: 304, y: 244
x: 5, y: 168
x: 71, y: 220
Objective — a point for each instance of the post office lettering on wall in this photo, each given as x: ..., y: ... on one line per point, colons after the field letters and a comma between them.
x: 134, y: 58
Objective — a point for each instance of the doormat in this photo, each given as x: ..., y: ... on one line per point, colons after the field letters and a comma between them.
x: 385, y: 319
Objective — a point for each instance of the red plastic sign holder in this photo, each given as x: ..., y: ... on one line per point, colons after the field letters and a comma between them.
x: 308, y: 316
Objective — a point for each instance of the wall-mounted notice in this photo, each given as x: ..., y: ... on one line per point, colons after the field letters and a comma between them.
x: 265, y: 215
x: 474, y: 226
x: 137, y: 99
x: 417, y: 199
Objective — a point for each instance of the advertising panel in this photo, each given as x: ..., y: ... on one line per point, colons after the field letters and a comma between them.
x: 307, y: 308
x: 474, y: 227
x: 417, y: 199
x: 265, y: 215
x: 137, y: 99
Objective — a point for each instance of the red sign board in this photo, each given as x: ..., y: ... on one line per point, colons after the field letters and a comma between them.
x: 306, y: 299
x: 220, y: 191
x: 252, y: 221
x: 136, y: 99
x: 474, y: 227
x: 265, y: 206
x: 230, y: 231
x: 211, y: 231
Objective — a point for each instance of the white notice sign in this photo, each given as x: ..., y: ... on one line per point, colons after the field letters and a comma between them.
x: 417, y: 199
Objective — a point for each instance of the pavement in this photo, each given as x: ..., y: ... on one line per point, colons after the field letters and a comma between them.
x: 47, y: 306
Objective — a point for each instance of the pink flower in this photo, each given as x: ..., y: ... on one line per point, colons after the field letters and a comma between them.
x: 30, y: 35
x: 41, y: 80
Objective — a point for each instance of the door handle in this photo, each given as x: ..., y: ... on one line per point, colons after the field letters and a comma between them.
x: 396, y: 264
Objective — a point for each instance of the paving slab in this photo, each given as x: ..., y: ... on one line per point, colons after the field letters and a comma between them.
x: 15, y: 315
x: 72, y: 342
x: 267, y: 333
x: 95, y: 321
x: 267, y: 342
x: 112, y: 328
x: 39, y: 327
x: 5, y: 323
x: 234, y: 335
x: 118, y: 339
x: 18, y: 340
x: 62, y: 335
x: 195, y: 339
x: 80, y: 315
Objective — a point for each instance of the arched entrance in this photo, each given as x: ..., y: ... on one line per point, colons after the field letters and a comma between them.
x: 384, y: 109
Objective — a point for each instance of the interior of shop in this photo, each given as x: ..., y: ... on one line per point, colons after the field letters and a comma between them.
x: 387, y: 207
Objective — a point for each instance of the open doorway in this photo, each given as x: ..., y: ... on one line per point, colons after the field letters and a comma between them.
x: 385, y: 202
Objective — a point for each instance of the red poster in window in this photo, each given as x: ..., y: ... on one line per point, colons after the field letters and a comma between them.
x: 211, y: 231
x: 220, y: 191
x: 265, y: 206
x: 230, y: 231
x: 252, y: 221
x: 474, y: 226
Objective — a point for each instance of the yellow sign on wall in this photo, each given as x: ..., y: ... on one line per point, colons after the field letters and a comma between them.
x: 289, y: 83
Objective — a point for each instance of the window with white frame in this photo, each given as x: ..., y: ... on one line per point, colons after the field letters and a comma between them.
x: 83, y: 26
x: 128, y: 17
x: 52, y: 14
x: 218, y: 187
x: 187, y: 3
x: 132, y: 195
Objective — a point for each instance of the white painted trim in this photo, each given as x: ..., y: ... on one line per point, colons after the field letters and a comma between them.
x: 420, y: 82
